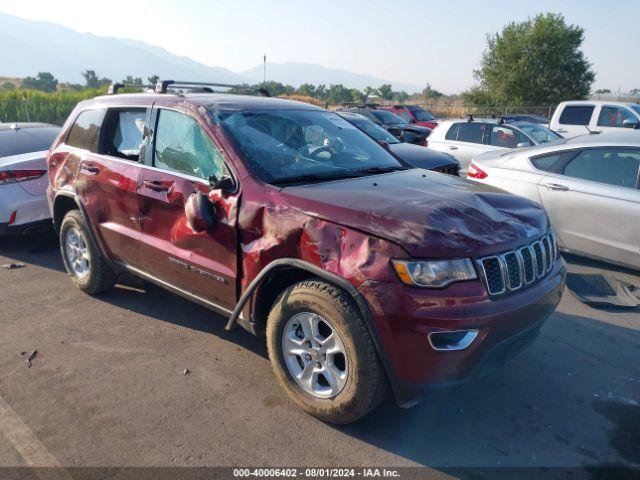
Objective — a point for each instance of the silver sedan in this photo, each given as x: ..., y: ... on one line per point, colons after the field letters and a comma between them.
x: 589, y: 185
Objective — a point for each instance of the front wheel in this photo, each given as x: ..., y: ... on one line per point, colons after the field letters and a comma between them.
x: 322, y: 353
x: 81, y: 257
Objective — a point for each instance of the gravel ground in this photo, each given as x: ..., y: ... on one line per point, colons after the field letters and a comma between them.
x: 107, y: 389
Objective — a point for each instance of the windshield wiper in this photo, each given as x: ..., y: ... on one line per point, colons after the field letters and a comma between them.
x: 376, y: 170
x: 310, y: 178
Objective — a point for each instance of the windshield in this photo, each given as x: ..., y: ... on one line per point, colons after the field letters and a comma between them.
x: 388, y: 118
x: 538, y: 133
x: 283, y: 146
x: 421, y: 114
x: 374, y: 131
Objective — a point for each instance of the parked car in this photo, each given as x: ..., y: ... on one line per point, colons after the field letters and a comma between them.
x: 590, y: 116
x: 361, y: 272
x: 413, y: 114
x: 398, y: 127
x: 23, y: 183
x: 589, y: 185
x: 465, y: 139
x: 412, y: 154
x: 527, y: 117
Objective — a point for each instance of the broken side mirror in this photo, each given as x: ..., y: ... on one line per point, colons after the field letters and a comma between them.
x: 224, y: 183
x: 199, y: 212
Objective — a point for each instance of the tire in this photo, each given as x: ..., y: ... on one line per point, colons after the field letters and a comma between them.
x: 92, y: 274
x: 346, y: 398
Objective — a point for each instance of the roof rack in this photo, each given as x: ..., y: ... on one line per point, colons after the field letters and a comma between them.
x: 163, y: 86
x: 114, y: 87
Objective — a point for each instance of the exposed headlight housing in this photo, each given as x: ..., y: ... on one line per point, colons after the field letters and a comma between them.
x: 434, y: 273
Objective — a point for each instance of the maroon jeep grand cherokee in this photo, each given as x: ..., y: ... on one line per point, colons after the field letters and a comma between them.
x: 362, y: 272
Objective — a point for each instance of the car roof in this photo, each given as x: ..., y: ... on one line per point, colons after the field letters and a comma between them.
x: 23, y: 125
x: 211, y: 101
x: 598, y: 102
x: 26, y: 139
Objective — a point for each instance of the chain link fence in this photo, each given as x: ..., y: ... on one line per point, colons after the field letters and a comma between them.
x: 461, y: 110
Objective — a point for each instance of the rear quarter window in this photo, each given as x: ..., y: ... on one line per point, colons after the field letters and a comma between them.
x: 553, y: 162
x: 452, y: 133
x: 85, y: 132
x: 576, y: 114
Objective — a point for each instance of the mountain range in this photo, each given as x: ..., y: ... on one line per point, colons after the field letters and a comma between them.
x: 31, y: 46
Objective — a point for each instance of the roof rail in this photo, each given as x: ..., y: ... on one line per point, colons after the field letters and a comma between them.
x: 163, y: 86
x: 114, y: 87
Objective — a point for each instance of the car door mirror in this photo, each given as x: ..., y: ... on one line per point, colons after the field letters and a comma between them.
x: 199, y: 212
x: 413, y: 120
x: 523, y: 144
x: 224, y: 183
x: 628, y: 123
x: 384, y: 144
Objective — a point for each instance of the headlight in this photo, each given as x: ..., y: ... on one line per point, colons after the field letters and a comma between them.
x: 434, y: 273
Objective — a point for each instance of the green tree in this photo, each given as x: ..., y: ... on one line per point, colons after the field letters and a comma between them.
x: 401, y: 96
x: 307, y: 89
x: 429, y: 93
x: 93, y: 81
x: 385, y: 91
x: 322, y: 93
x: 368, y: 92
x: 44, y: 81
x: 153, y: 79
x: 339, y: 94
x: 7, y: 86
x: 535, y: 62
x: 132, y: 80
x: 357, y: 96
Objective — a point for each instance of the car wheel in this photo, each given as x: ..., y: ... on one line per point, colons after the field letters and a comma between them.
x: 322, y: 353
x: 81, y: 257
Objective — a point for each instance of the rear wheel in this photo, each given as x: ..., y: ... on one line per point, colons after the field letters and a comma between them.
x: 81, y: 257
x: 322, y: 353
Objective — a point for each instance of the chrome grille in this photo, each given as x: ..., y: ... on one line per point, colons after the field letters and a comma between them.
x: 515, y: 269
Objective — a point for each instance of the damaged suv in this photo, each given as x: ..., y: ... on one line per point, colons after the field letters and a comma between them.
x: 362, y: 272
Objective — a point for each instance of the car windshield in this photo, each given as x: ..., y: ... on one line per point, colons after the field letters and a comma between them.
x: 538, y: 133
x: 376, y: 132
x: 421, y: 114
x: 388, y: 118
x: 290, y: 146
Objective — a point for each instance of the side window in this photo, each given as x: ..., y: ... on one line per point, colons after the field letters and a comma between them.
x: 122, y: 133
x: 576, y: 114
x: 183, y: 146
x: 85, y: 132
x: 552, y: 163
x: 507, y: 137
x: 617, y: 167
x: 611, y: 116
x: 472, y: 132
x: 452, y: 134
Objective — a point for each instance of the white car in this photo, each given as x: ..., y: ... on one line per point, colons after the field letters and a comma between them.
x: 582, y: 117
x: 465, y: 139
x: 589, y: 186
x: 23, y: 179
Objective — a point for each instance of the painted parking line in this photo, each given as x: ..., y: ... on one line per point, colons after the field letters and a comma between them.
x: 34, y: 453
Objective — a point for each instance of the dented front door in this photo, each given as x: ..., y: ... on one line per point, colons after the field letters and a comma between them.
x: 202, y: 263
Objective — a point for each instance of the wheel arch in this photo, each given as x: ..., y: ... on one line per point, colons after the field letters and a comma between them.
x: 281, y: 273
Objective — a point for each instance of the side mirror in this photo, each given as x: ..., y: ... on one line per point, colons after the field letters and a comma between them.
x: 384, y: 144
x: 224, y: 183
x: 628, y: 123
x: 199, y: 212
x: 413, y: 120
x: 523, y: 144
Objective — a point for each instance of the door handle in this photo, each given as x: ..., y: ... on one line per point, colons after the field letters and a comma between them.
x: 90, y: 168
x: 556, y: 186
x: 452, y: 147
x: 155, y: 185
x: 561, y: 130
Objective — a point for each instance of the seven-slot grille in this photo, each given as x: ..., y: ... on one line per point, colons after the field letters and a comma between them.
x: 515, y: 269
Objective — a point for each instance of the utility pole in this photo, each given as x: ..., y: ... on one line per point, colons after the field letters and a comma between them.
x: 264, y: 68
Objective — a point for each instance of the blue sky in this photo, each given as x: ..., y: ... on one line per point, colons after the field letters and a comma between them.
x: 410, y: 41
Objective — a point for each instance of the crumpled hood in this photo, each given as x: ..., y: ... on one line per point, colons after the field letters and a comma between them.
x: 427, y: 213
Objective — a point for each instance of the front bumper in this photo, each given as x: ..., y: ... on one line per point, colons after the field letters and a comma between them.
x: 405, y: 317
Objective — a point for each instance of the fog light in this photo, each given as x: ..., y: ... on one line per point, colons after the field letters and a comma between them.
x: 452, y: 339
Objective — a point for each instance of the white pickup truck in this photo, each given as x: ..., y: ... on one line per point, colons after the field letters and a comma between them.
x: 581, y: 117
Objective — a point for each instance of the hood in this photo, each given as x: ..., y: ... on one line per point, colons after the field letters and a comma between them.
x: 413, y: 128
x: 429, y: 214
x: 422, y: 157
